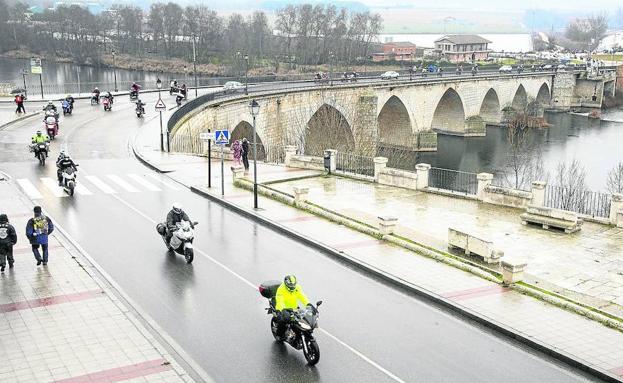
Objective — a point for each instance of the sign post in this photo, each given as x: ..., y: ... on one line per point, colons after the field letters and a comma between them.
x: 160, y: 107
x: 35, y: 68
x: 209, y: 137
x: 221, y: 137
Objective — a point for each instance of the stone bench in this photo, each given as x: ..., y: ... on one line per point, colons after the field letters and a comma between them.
x: 548, y: 217
x: 474, y: 245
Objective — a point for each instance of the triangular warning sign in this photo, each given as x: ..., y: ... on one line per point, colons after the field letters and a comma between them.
x: 220, y: 137
x: 160, y: 104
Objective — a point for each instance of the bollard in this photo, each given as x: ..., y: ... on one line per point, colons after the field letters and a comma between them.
x: 300, y: 194
x: 512, y: 272
x: 387, y: 224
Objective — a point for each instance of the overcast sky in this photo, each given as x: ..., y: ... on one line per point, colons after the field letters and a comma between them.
x: 593, y: 5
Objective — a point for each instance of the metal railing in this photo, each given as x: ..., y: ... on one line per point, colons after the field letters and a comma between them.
x: 461, y: 182
x: 590, y: 203
x: 188, y: 143
x: 354, y: 163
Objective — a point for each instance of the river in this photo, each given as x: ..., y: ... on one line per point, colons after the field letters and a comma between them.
x: 595, y: 144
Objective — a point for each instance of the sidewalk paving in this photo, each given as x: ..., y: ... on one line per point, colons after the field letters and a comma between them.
x: 60, y: 323
x: 587, y: 342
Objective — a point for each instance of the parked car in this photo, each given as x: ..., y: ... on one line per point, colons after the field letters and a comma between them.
x: 548, y: 67
x: 561, y: 67
x: 506, y: 69
x: 232, y: 86
x: 389, y: 75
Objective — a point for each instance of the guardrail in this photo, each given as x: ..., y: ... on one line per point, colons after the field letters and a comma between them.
x: 594, y: 204
x: 462, y: 182
x: 354, y: 163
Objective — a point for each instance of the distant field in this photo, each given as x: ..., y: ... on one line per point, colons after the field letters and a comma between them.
x: 606, y: 57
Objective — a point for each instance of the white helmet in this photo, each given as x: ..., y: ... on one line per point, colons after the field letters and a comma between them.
x: 177, y: 208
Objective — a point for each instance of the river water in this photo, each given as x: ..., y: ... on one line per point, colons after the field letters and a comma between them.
x: 597, y: 145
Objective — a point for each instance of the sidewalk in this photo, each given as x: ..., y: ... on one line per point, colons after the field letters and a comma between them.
x: 569, y: 336
x: 61, y: 323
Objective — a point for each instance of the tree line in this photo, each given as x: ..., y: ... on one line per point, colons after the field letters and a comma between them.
x: 301, y: 34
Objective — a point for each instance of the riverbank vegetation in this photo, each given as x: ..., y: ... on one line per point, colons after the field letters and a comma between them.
x: 170, y: 36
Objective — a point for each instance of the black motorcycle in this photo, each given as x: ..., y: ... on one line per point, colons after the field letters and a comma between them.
x: 298, y: 332
x: 139, y: 110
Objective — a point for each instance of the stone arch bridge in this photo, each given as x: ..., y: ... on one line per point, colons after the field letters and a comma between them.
x: 362, y: 117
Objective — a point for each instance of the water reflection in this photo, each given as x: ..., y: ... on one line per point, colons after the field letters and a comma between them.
x: 596, y: 144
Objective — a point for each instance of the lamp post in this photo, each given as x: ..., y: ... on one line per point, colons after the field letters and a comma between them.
x: 254, y: 109
x: 246, y: 74
x: 330, y: 68
x: 114, y: 69
x: 195, y: 65
x: 238, y: 63
x: 159, y: 86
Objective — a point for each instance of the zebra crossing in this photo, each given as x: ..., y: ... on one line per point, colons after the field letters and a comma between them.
x: 91, y: 185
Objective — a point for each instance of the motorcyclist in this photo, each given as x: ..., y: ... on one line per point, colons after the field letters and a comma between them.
x: 183, y: 90
x: 96, y: 93
x: 70, y: 100
x: 109, y: 96
x: 63, y: 162
x: 39, y: 138
x: 50, y: 106
x: 140, y: 104
x: 287, y: 297
x: 176, y: 215
x: 173, y: 84
x: 135, y: 88
x: 178, y: 99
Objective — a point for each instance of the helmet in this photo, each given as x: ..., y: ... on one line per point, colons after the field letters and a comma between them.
x: 96, y: 88
x: 290, y: 282
x: 177, y: 208
x: 50, y: 102
x: 38, y: 132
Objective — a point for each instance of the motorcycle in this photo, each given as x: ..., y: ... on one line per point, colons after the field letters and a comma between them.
x: 139, y: 111
x: 178, y: 99
x: 107, y: 104
x: 51, y: 124
x: 299, y: 332
x: 173, y: 90
x: 133, y: 95
x: 67, y: 107
x: 95, y: 99
x: 41, y: 151
x: 181, y: 240
x: 69, y: 180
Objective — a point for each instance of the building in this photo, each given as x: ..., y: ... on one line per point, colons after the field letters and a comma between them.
x: 399, y: 51
x: 462, y: 48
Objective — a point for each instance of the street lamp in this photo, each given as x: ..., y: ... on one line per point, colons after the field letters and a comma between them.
x: 114, y: 69
x: 246, y: 75
x: 330, y: 68
x: 195, y: 65
x: 159, y: 86
x: 254, y: 109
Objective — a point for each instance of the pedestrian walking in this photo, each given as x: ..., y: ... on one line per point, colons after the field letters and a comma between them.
x: 37, y: 230
x: 245, y: 153
x: 236, y: 147
x: 19, y: 101
x: 8, y: 239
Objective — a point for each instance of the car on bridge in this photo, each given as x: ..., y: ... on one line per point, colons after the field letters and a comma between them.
x: 232, y: 86
x: 390, y: 75
x: 506, y: 69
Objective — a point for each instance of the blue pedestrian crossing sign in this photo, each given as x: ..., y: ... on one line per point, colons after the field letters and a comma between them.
x: 221, y: 137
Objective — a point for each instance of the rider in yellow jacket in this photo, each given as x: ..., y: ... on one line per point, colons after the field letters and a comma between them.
x: 289, y: 294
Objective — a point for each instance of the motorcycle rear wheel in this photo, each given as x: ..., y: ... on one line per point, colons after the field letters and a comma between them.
x: 312, y: 355
x: 274, y: 328
x: 189, y: 254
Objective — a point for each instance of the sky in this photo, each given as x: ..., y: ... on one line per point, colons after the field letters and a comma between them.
x: 595, y: 5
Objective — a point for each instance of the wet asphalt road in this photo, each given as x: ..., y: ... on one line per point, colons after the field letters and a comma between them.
x: 370, y: 332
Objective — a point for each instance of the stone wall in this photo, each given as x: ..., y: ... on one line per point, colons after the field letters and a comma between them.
x: 506, y: 197
x: 399, y: 178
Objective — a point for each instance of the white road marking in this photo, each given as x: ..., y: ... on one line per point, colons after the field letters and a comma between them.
x: 254, y: 287
x: 52, y: 186
x: 116, y: 179
x: 141, y: 180
x: 82, y: 190
x: 29, y: 188
x: 165, y: 183
x: 100, y: 184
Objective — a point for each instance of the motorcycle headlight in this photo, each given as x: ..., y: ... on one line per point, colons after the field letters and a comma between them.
x: 304, y: 325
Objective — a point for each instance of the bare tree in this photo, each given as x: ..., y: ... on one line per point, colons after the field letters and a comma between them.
x: 569, y: 181
x: 614, y: 183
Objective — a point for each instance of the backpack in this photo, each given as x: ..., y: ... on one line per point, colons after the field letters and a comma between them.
x: 4, y: 234
x: 40, y: 224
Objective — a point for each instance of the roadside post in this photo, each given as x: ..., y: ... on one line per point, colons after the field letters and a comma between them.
x: 160, y: 107
x: 221, y: 137
x: 35, y: 68
x: 209, y: 137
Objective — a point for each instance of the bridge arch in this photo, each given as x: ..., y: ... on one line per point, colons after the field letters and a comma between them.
x: 328, y: 128
x: 449, y: 116
x: 394, y: 123
x: 490, y: 109
x: 520, y: 99
x: 544, y: 95
x: 245, y: 130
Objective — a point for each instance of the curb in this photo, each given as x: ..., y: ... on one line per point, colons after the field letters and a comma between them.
x: 405, y: 285
x: 6, y: 124
x: 419, y: 291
